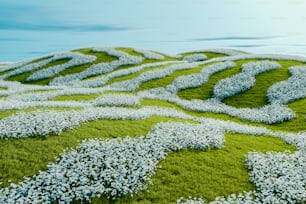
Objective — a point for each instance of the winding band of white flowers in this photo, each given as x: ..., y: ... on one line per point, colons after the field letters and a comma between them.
x: 111, y: 167
x: 100, y: 81
x: 100, y: 68
x: 149, y: 54
x: 133, y: 84
x: 290, y: 90
x: 195, y: 57
x: 75, y: 59
x: 244, y: 80
x: 196, y: 80
x: 118, y: 167
x: 45, y: 122
x: 271, y: 113
x: 14, y: 87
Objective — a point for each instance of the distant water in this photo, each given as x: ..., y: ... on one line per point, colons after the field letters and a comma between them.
x: 32, y: 28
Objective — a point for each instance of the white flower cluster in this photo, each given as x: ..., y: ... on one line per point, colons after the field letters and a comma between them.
x: 100, y: 81
x: 292, y: 89
x: 100, y: 68
x: 11, y: 66
x: 196, y: 80
x: 112, y: 167
x: 45, y: 122
x: 271, y: 113
x: 149, y: 54
x: 14, y: 87
x: 260, y: 56
x: 243, y: 81
x: 116, y: 100
x: 53, y: 92
x: 195, y: 57
x: 41, y: 100
x: 241, y: 198
x: 15, y: 126
x: 20, y: 105
x: 133, y: 84
x: 76, y: 59
x: 278, y: 177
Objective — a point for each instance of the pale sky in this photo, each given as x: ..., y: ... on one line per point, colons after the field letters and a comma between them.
x: 32, y: 28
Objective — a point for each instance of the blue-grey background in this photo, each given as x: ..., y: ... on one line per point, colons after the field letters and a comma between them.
x: 33, y: 28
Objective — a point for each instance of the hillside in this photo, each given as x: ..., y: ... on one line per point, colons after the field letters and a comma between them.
x: 128, y: 125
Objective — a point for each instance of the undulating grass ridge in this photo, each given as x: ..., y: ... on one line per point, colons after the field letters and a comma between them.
x: 163, y: 131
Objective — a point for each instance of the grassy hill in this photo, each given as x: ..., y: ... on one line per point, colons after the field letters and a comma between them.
x: 127, y: 125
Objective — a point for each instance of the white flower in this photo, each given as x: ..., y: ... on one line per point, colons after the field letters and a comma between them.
x: 113, y: 167
x: 195, y: 57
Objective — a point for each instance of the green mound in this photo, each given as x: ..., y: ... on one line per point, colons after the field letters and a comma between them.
x: 189, y: 83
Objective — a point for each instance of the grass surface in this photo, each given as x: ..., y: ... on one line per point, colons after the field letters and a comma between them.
x: 206, y: 174
x: 22, y: 77
x: 25, y: 157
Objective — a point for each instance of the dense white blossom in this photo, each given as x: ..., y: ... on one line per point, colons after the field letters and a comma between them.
x: 195, y: 57
x: 244, y: 80
x: 76, y: 59
x: 292, y: 89
x: 196, y: 80
x: 119, y: 167
x: 14, y: 87
x: 118, y: 73
x: 12, y: 66
x: 117, y: 100
x: 149, y: 54
x: 278, y: 177
x: 100, y: 68
x: 271, y: 113
x: 133, y: 84
x: 112, y: 167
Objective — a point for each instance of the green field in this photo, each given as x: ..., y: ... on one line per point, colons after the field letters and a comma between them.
x: 191, y: 172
